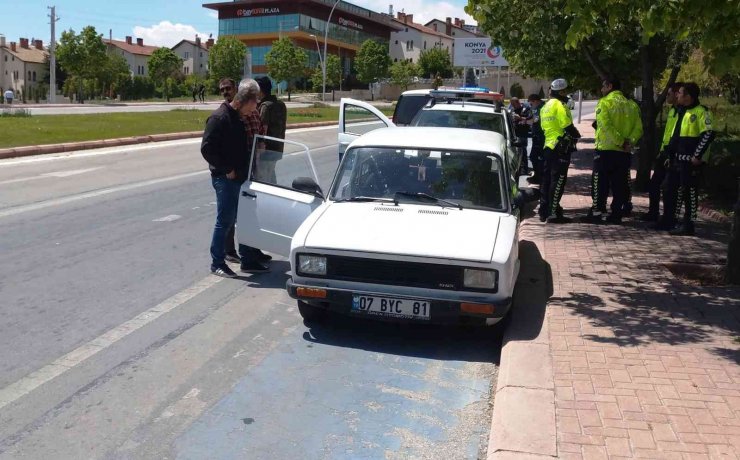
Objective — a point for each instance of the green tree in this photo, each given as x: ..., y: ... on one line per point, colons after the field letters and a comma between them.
x: 81, y: 56
x: 333, y: 74
x: 403, y: 73
x: 115, y: 75
x: 372, y: 62
x: 164, y: 65
x: 286, y: 62
x: 435, y: 61
x: 226, y: 58
x: 516, y: 90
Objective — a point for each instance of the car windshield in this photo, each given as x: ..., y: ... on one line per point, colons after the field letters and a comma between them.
x: 449, y: 178
x: 460, y: 119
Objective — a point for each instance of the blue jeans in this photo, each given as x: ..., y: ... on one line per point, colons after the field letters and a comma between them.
x: 227, y: 200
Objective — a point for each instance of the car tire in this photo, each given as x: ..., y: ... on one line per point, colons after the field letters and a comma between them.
x: 311, y: 314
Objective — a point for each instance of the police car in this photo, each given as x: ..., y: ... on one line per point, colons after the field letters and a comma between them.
x: 419, y: 224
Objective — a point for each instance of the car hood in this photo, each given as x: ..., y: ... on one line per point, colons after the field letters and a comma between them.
x: 407, y: 229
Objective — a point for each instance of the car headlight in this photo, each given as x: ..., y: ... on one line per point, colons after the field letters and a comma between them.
x: 311, y: 265
x: 480, y: 279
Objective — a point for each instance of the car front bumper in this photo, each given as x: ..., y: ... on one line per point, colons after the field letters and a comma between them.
x: 442, y: 311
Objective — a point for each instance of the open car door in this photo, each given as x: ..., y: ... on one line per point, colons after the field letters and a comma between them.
x: 280, y: 192
x: 357, y: 118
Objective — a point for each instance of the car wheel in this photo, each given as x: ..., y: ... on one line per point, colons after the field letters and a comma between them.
x: 309, y: 313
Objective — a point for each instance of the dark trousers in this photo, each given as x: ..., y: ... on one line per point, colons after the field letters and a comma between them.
x: 598, y: 202
x: 614, y: 167
x: 683, y: 181
x: 655, y: 186
x: 628, y: 184
x: 554, y: 177
x: 535, y: 156
x: 227, y: 198
x: 524, y: 165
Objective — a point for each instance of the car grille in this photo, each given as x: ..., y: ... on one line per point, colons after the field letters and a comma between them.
x: 414, y: 274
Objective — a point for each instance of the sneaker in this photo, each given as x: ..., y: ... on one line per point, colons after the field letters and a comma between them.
x: 558, y: 220
x: 255, y: 267
x: 224, y: 272
x: 233, y: 258
x: 592, y: 218
x: 543, y: 218
x: 683, y: 230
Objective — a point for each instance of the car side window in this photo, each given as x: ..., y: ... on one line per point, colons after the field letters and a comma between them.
x: 278, y: 162
x: 359, y: 120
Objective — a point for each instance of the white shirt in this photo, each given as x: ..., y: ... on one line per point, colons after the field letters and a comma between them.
x: 9, y: 94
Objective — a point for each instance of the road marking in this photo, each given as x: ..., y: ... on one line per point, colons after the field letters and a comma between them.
x: 96, y: 193
x: 170, y: 218
x: 72, y: 172
x: 35, y: 379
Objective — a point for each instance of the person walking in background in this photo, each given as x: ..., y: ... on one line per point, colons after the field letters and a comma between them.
x: 274, y: 117
x: 662, y: 161
x: 195, y: 92
x: 688, y: 145
x: 224, y: 147
x: 202, y: 92
x: 538, y: 139
x: 560, y: 140
x: 9, y: 96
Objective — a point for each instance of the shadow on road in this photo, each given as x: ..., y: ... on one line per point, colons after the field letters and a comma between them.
x: 274, y: 279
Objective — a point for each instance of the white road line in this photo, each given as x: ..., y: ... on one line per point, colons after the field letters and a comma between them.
x: 170, y: 218
x: 32, y: 381
x: 59, y: 174
x: 105, y: 191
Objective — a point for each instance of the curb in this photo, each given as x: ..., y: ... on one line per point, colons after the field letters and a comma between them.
x: 31, y: 150
x: 523, y: 423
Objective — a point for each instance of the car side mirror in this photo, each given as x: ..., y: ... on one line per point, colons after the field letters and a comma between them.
x: 526, y: 195
x: 307, y: 185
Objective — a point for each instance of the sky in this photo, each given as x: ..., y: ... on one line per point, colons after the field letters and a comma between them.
x: 164, y: 23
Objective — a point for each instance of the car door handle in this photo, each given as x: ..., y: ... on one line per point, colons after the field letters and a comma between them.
x: 251, y: 195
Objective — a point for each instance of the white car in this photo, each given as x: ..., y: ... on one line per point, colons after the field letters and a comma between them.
x: 419, y: 224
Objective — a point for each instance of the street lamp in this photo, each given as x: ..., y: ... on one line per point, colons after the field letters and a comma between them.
x: 318, y: 50
x: 326, y: 37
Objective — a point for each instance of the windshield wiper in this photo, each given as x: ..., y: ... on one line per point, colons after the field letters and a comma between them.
x: 426, y: 196
x: 367, y: 198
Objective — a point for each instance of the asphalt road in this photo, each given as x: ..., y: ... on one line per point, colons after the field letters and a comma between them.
x: 116, y: 342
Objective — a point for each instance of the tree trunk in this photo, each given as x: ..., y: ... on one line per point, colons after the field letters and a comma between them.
x: 733, y: 249
x: 648, y: 146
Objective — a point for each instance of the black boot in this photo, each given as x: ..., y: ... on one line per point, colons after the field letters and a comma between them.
x: 683, y: 230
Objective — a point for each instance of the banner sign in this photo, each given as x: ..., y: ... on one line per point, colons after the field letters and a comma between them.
x: 477, y: 52
x: 256, y: 12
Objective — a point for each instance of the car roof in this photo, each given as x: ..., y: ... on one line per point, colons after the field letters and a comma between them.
x: 416, y: 92
x: 432, y: 138
x: 458, y: 106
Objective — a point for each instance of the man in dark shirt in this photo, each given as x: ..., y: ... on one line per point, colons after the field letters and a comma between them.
x: 538, y: 139
x: 225, y: 148
x: 274, y: 117
x: 522, y: 115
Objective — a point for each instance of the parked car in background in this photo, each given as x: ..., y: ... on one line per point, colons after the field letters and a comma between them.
x: 419, y: 224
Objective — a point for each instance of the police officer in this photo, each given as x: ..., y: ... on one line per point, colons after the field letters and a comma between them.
x: 522, y: 115
x: 635, y: 135
x: 612, y: 152
x: 688, y: 145
x: 560, y: 139
x: 660, y: 166
x: 538, y: 139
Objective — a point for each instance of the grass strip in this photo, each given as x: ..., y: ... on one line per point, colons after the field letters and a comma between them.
x: 56, y: 129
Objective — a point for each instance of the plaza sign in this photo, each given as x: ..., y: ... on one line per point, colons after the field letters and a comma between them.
x: 257, y: 12
x: 477, y: 52
x: 349, y: 23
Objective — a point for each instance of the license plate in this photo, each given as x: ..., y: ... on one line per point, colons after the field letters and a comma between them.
x: 392, y: 307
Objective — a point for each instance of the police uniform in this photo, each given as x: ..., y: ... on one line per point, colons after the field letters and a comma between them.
x: 635, y: 135
x: 691, y: 138
x: 614, y: 126
x: 560, y: 137
x: 538, y: 143
x: 660, y: 167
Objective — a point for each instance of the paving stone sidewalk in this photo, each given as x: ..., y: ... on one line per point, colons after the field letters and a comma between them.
x: 644, y: 365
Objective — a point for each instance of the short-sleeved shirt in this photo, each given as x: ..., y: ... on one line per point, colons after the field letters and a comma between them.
x: 554, y: 118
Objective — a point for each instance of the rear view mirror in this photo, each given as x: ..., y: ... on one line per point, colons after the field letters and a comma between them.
x: 307, y: 185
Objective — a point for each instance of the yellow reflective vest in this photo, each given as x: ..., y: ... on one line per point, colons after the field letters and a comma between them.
x: 614, y: 122
x: 554, y: 118
x: 635, y: 133
x: 670, y: 126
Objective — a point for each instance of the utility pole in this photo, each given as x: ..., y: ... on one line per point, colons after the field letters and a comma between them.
x: 52, y: 56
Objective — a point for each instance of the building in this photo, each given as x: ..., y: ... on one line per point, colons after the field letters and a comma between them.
x: 194, y: 55
x: 136, y: 54
x: 411, y: 39
x: 23, y: 65
x: 259, y: 23
x: 456, y: 29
